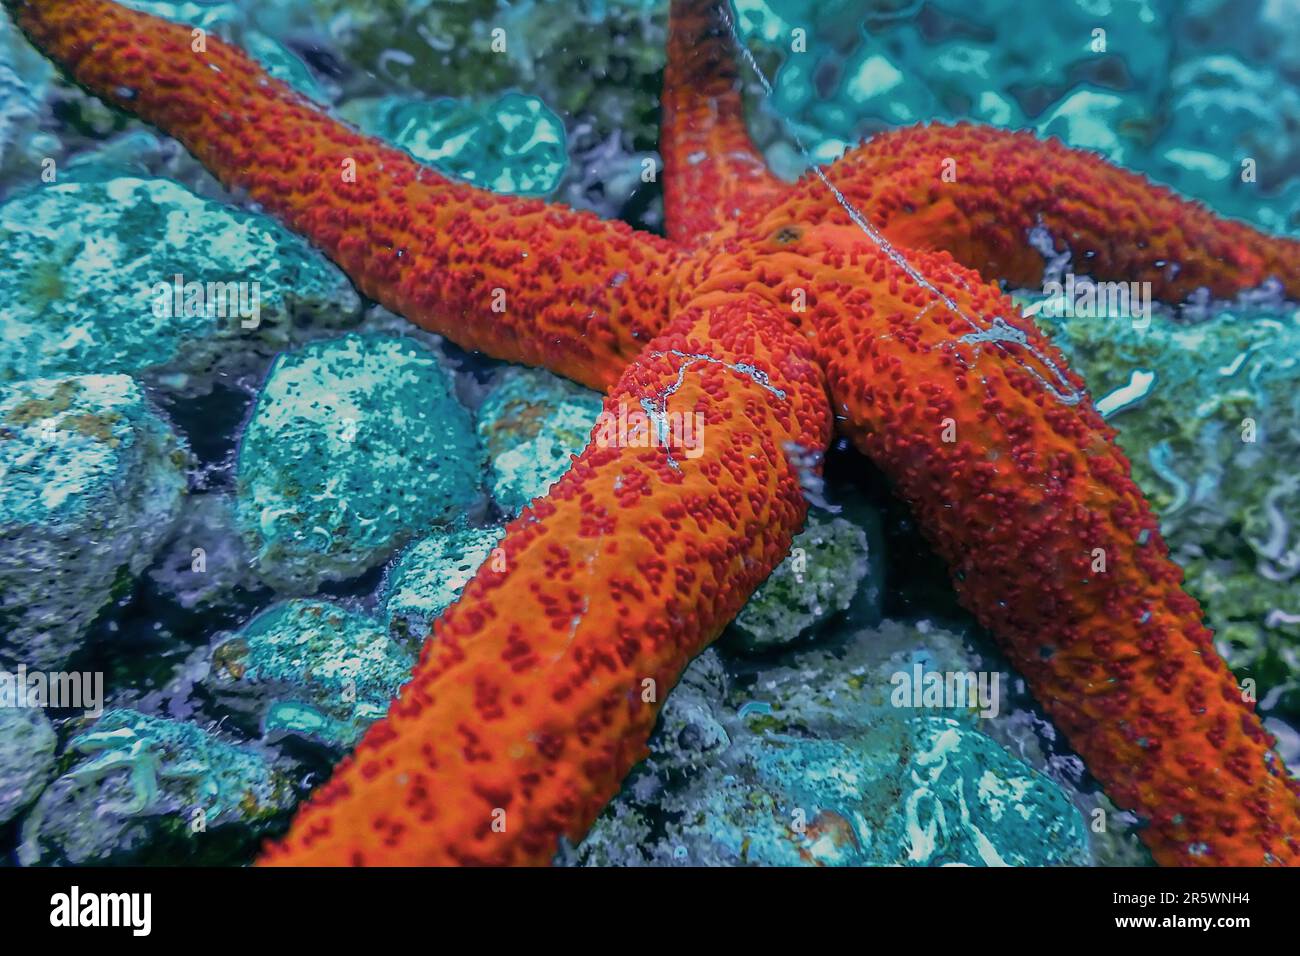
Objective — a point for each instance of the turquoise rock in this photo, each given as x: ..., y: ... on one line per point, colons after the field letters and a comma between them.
x: 513, y: 144
x: 91, y: 480
x: 1099, y: 120
x: 310, y: 668
x: 828, y: 561
x: 1224, y: 113
x: 926, y: 791
x: 355, y: 445
x: 429, y: 576
x: 531, y: 423
x: 1164, y: 88
x: 92, y: 284
x: 146, y: 789
x: 27, y: 742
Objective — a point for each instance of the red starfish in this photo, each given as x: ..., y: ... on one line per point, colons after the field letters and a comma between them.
x: 538, y: 689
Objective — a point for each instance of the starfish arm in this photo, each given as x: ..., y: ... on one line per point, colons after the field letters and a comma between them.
x: 519, y: 279
x: 1049, y: 541
x: 1117, y: 225
x: 539, y: 688
x: 711, y: 169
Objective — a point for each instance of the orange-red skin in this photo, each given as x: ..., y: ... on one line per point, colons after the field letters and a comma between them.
x: 1017, y: 502
x: 712, y: 172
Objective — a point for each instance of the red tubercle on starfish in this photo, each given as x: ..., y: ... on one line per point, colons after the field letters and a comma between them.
x: 1019, y: 501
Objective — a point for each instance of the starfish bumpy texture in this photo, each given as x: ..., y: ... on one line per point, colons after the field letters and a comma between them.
x: 781, y: 315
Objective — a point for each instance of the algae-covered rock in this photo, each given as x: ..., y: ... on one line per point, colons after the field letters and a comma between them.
x: 310, y: 668
x: 1190, y: 94
x: 27, y: 743
x: 925, y: 791
x: 597, y: 58
x: 355, y: 445
x: 140, y: 276
x: 828, y: 561
x: 513, y: 144
x: 531, y: 423
x: 148, y: 789
x: 91, y: 480
x: 429, y: 576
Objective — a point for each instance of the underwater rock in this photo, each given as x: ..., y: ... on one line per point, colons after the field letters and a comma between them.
x: 828, y: 561
x: 1224, y: 117
x: 205, y: 558
x: 91, y: 480
x: 812, y: 763
x: 855, y: 69
x: 27, y: 742
x: 595, y: 58
x: 355, y: 444
x: 531, y: 423
x: 310, y: 668
x: 24, y: 81
x: 1096, y: 119
x: 153, y: 790
x: 511, y: 145
x: 429, y: 576
x: 1209, y: 416
x: 140, y: 276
